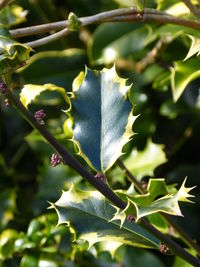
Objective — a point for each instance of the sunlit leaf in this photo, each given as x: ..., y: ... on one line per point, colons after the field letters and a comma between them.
x: 182, y: 74
x: 102, y: 116
x: 173, y: 8
x: 139, y: 4
x: 194, y: 48
x: 89, y: 213
x: 13, y: 55
x: 126, y: 3
x: 30, y: 91
x: 12, y: 15
x: 143, y: 163
x: 154, y: 201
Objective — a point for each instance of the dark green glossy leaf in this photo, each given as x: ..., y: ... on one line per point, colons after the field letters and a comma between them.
x: 55, y: 67
x: 118, y: 40
x: 139, y: 257
x: 90, y: 214
x: 102, y: 117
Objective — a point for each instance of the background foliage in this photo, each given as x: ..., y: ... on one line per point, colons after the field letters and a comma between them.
x: 165, y: 92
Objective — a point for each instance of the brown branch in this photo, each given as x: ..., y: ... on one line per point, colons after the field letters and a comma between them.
x: 153, y: 54
x: 176, y: 227
x: 98, y: 184
x: 126, y: 14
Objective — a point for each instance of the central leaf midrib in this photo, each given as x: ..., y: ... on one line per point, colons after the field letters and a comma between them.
x: 101, y: 135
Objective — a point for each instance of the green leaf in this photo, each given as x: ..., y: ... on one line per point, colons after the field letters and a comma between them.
x: 12, y: 15
x: 13, y: 55
x: 173, y: 8
x: 102, y: 117
x: 126, y: 3
x: 143, y: 163
x: 194, y: 48
x: 29, y: 261
x: 8, y: 206
x: 55, y: 67
x: 89, y: 213
x: 118, y: 40
x: 7, y: 238
x: 151, y: 202
x: 140, y: 257
x: 139, y: 4
x: 182, y: 74
x: 30, y: 91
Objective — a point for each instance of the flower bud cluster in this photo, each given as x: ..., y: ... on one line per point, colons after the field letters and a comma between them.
x: 3, y: 87
x: 55, y: 160
x: 40, y: 115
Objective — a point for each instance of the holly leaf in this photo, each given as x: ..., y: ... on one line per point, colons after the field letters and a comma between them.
x: 102, y: 116
x: 143, y: 163
x: 182, y: 74
x: 139, y: 4
x: 12, y: 15
x: 124, y: 3
x: 194, y: 48
x: 13, y: 55
x: 30, y: 91
x: 89, y: 213
x: 150, y: 203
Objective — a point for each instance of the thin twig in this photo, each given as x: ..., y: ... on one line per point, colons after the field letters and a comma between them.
x: 98, y: 184
x: 192, y: 8
x: 153, y: 54
x: 176, y: 227
x: 126, y: 14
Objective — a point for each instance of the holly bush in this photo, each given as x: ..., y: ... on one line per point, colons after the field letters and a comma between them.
x: 99, y: 133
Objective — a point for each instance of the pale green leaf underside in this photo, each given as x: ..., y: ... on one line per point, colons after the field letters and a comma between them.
x: 30, y: 91
x: 89, y: 213
x: 182, y: 74
x: 102, y: 116
x: 157, y: 199
x: 142, y: 163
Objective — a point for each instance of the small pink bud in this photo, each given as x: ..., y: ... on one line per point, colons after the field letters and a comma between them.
x: 101, y: 177
x: 7, y: 103
x: 40, y: 115
x: 3, y: 88
x: 130, y: 217
x: 55, y: 160
x: 139, y: 16
x: 164, y: 249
